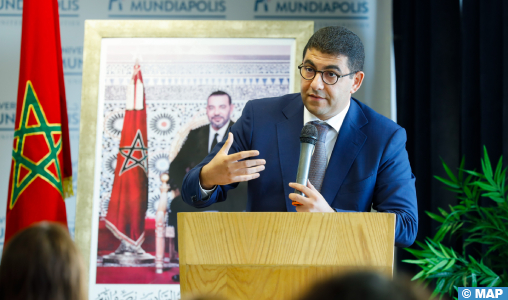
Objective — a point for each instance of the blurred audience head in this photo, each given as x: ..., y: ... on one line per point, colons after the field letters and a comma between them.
x: 42, y: 262
x: 365, y: 286
x: 207, y: 297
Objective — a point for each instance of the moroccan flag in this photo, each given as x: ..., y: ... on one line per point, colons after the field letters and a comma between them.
x: 41, y: 168
x: 127, y: 206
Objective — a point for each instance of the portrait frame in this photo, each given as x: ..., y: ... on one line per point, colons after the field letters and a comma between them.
x: 95, y: 31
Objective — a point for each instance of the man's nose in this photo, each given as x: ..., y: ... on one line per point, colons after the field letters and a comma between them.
x: 317, y: 83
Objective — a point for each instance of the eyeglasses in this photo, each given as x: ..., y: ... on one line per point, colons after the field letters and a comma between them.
x: 329, y: 77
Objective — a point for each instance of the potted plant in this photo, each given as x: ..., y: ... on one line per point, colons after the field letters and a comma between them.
x: 481, y: 223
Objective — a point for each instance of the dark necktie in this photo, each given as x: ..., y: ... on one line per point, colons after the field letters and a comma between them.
x: 214, y: 142
x: 318, y: 162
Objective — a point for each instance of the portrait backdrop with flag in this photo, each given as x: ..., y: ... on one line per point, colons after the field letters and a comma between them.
x: 370, y: 19
x: 41, y: 168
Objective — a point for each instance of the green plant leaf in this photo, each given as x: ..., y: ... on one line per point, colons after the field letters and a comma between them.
x: 499, y: 168
x: 437, y: 290
x: 450, y: 264
x: 467, y: 191
x: 487, y: 167
x: 448, y: 182
x: 420, y: 253
x: 484, y: 186
x: 414, y: 261
x: 456, y: 227
x: 443, y: 250
x: 490, y: 217
x: 439, y: 266
x: 435, y: 217
x: 474, y: 283
x: 456, y: 191
x: 443, y: 212
x: 496, y: 196
x: 419, y: 275
x: 491, y: 194
x: 449, y: 172
x: 475, y: 173
x: 436, y: 252
x: 486, y: 269
x: 494, y: 282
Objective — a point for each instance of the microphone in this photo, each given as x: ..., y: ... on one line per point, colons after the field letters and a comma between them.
x: 308, y: 139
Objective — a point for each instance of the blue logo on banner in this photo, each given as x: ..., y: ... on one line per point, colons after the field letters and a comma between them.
x: 16, y: 6
x: 268, y: 9
x: 483, y: 293
x: 68, y: 5
x: 165, y: 6
x: 72, y: 58
x: 11, y: 5
x: 263, y: 4
x: 7, y: 116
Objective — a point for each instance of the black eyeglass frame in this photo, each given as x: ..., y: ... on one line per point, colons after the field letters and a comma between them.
x: 322, y: 72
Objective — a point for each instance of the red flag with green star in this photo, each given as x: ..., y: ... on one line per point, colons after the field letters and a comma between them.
x: 41, y: 169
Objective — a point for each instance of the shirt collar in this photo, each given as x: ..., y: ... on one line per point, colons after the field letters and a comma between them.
x: 335, y: 122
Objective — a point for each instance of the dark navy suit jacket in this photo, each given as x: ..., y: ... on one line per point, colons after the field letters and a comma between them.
x: 369, y: 164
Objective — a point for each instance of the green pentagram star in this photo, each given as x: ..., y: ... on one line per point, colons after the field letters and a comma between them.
x: 32, y: 159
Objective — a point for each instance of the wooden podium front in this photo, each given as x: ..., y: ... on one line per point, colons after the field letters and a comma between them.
x: 277, y: 255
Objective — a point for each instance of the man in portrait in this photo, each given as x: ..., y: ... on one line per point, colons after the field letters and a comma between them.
x: 198, y: 144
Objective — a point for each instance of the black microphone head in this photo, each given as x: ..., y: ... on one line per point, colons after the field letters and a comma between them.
x: 309, y: 134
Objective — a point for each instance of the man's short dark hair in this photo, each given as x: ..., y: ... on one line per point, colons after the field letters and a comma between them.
x: 220, y: 93
x: 338, y: 40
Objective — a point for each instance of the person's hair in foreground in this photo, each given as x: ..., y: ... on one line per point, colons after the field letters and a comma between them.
x: 41, y: 263
x: 338, y: 40
x: 365, y: 286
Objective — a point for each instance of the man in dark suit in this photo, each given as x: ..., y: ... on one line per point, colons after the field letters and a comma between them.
x: 360, y: 160
x: 198, y: 144
x: 201, y: 140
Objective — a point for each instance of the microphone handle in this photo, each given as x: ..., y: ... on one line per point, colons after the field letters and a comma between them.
x: 302, y: 176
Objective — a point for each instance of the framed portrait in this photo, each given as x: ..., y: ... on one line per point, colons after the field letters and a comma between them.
x: 156, y: 97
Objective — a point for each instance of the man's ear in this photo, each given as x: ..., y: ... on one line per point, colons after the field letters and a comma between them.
x: 231, y: 108
x: 357, y: 81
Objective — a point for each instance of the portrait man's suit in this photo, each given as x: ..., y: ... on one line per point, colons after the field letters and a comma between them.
x: 194, y: 149
x: 369, y: 165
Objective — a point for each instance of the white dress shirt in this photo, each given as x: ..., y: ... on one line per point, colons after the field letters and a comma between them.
x: 212, y: 133
x: 335, y: 122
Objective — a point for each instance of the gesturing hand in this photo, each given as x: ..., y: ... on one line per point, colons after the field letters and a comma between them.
x: 225, y: 169
x: 314, y: 203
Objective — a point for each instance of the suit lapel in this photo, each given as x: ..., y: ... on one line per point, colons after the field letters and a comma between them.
x: 349, y: 142
x: 288, y: 133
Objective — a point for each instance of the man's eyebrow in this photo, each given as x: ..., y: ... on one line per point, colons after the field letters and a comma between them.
x: 308, y: 61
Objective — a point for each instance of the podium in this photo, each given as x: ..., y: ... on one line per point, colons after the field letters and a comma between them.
x: 278, y: 255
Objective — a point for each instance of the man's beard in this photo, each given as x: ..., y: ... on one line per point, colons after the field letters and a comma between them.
x: 219, y: 124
